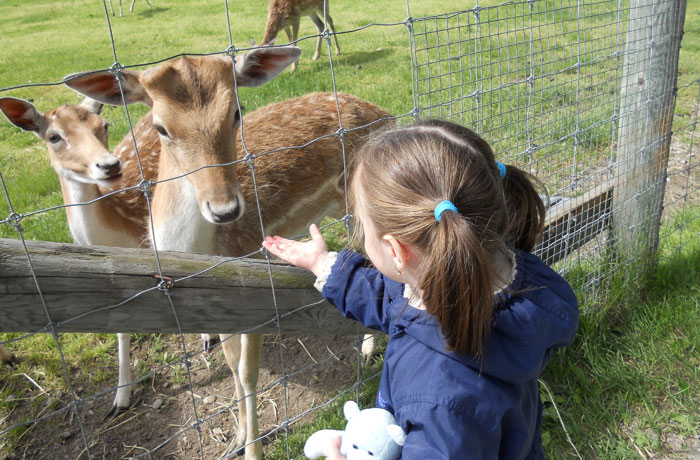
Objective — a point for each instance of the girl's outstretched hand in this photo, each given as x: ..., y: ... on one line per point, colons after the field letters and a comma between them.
x: 309, y: 255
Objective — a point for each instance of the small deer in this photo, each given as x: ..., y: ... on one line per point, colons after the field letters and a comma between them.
x: 286, y: 14
x: 76, y: 138
x: 194, y: 122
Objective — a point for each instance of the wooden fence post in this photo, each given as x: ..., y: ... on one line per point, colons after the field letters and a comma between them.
x: 647, y: 100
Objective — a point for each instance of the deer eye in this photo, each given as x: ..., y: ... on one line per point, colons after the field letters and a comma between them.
x: 54, y: 138
x: 162, y: 131
x: 354, y: 446
x: 106, y: 127
x: 237, y: 116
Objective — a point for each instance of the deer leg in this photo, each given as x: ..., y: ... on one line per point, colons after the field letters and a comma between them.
x: 122, y: 399
x: 335, y: 37
x: 320, y: 27
x: 249, y: 369
x: 6, y: 357
x: 231, y: 345
x: 209, y: 342
x: 294, y: 34
x: 242, y: 354
x: 111, y: 6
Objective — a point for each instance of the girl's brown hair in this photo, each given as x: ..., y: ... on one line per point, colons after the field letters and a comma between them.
x: 404, y: 173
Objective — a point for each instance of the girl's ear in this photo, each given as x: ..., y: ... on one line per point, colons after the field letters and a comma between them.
x: 400, y: 252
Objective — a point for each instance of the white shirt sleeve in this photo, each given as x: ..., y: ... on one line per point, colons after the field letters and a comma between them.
x: 325, y: 271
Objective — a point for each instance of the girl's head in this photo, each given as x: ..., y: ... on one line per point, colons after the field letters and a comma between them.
x: 401, y: 175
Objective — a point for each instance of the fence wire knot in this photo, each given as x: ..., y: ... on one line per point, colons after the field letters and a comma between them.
x: 231, y: 51
x: 327, y: 35
x: 477, y: 12
x: 415, y: 112
x: 249, y: 159
x: 14, y: 219
x: 341, y: 132
x: 166, y: 282
x: 145, y: 185
x: 116, y: 69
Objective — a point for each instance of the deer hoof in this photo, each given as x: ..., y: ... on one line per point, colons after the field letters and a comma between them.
x: 114, y: 412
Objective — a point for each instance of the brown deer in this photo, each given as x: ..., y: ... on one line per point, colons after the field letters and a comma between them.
x: 286, y: 14
x: 76, y: 138
x: 194, y: 118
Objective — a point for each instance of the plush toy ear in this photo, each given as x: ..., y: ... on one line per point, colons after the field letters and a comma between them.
x: 397, y: 434
x: 350, y: 409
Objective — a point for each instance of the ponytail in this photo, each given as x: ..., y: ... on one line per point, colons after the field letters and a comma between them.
x: 524, y: 207
x: 457, y: 285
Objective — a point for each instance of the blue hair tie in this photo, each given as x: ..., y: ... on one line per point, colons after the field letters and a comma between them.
x: 502, y: 168
x: 442, y: 207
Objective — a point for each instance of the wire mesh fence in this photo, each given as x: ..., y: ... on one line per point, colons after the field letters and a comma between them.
x: 573, y: 92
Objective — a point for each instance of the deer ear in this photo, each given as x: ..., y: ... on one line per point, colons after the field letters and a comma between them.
x: 22, y: 114
x: 103, y: 86
x: 260, y: 65
x: 92, y: 105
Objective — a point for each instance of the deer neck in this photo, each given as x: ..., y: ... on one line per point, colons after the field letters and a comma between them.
x: 178, y: 224
x: 95, y: 223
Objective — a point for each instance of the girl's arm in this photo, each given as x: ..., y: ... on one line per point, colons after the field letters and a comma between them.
x: 354, y: 288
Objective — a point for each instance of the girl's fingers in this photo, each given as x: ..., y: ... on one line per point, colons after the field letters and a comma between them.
x: 315, y: 232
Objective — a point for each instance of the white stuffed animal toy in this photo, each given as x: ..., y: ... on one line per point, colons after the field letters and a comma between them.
x: 371, y: 434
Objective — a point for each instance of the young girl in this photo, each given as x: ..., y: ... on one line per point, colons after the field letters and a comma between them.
x: 472, y: 317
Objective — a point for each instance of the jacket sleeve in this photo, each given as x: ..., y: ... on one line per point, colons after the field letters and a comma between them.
x: 440, y: 433
x: 358, y: 291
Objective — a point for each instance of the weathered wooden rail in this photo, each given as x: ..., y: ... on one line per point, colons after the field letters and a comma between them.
x: 106, y: 289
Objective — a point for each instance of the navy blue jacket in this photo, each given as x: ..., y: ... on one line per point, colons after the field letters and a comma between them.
x: 453, y: 406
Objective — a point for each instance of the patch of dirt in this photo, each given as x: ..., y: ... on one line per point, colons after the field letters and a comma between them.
x: 159, y: 423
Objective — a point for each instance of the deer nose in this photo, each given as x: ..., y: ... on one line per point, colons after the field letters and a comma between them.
x: 110, y: 168
x: 227, y: 212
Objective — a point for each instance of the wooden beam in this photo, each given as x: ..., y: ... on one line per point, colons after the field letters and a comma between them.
x: 105, y: 289
x: 574, y: 222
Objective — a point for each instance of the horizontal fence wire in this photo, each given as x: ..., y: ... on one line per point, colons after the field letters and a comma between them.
x: 542, y: 81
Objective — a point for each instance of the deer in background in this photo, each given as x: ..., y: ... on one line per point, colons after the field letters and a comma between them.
x: 76, y: 138
x: 131, y: 8
x: 286, y: 14
x: 194, y: 118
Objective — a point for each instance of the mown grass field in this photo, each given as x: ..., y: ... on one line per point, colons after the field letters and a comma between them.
x: 624, y: 389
